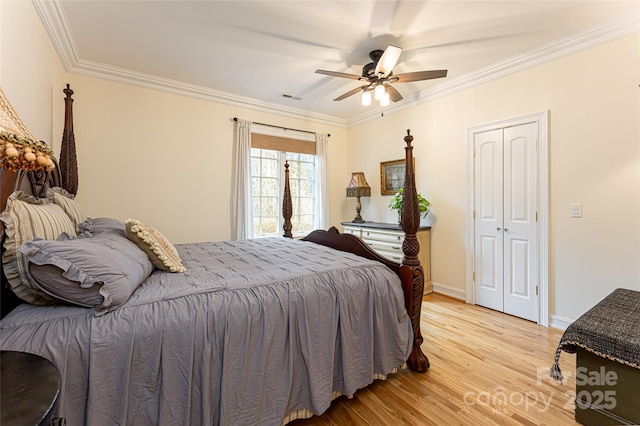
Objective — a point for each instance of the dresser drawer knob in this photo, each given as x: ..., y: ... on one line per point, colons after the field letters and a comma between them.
x: 399, y: 237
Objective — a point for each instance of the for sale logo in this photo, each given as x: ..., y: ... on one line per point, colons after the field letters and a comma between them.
x: 499, y: 399
x: 604, y: 399
x: 601, y: 377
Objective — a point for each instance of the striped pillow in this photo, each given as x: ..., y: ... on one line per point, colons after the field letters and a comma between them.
x: 65, y: 200
x: 26, y: 218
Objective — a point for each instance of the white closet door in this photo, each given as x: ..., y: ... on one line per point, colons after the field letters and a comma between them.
x: 489, y: 247
x: 505, y: 191
x: 520, y: 227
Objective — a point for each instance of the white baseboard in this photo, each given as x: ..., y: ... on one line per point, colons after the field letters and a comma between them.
x: 555, y: 321
x: 454, y: 292
x: 560, y: 323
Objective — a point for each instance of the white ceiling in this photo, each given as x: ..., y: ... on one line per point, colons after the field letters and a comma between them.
x: 251, y: 52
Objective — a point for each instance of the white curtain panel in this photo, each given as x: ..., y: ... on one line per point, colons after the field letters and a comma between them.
x: 322, y: 200
x: 242, y: 216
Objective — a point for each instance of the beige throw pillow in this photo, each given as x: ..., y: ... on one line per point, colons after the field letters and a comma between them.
x: 161, y: 252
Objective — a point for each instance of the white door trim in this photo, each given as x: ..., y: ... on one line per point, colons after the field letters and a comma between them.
x: 542, y: 119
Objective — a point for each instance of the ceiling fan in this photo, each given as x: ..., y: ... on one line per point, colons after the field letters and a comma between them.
x: 378, y: 76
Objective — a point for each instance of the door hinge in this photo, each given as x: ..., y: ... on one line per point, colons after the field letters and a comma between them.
x: 536, y: 143
x: 536, y: 216
x: 474, y: 277
x: 474, y: 215
x: 536, y: 290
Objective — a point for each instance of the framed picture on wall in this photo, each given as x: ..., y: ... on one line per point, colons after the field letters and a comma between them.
x: 391, y: 176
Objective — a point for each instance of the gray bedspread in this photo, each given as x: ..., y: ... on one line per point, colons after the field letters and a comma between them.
x: 254, y: 330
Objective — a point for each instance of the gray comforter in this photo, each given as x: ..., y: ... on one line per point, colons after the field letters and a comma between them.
x: 253, y: 331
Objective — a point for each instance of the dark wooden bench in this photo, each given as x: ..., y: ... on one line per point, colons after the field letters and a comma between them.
x: 607, y: 342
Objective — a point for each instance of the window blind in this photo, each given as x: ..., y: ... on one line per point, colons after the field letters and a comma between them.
x: 279, y: 143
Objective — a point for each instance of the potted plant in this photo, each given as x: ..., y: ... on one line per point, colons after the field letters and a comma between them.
x: 396, y: 204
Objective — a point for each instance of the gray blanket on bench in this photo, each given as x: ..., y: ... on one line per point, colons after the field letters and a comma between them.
x: 611, y: 329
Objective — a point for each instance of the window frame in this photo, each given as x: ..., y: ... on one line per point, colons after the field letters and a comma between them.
x: 297, y: 215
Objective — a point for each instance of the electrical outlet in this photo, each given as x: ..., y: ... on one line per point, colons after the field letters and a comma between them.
x: 576, y: 210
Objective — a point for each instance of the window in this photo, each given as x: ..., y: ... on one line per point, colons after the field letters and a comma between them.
x: 258, y: 185
x: 267, y: 180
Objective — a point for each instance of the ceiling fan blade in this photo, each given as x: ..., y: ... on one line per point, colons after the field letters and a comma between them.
x: 339, y: 74
x: 350, y: 93
x: 394, y: 95
x: 418, y: 75
x: 388, y: 60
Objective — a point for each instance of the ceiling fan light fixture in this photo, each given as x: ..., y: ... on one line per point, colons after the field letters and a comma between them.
x: 385, y: 100
x: 379, y: 79
x: 379, y: 92
x: 366, y: 98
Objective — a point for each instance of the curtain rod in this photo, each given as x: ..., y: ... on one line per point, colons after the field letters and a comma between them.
x: 280, y: 127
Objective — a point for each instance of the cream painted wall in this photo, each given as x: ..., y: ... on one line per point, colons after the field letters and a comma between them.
x: 167, y: 159
x: 593, y: 99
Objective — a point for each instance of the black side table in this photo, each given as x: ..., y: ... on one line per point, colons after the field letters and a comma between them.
x: 29, y: 387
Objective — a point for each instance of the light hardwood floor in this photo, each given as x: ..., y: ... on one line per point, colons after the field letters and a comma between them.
x: 487, y: 368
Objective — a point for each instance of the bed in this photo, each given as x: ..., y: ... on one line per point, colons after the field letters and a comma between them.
x: 258, y: 332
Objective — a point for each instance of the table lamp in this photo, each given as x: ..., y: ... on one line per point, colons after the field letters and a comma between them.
x: 358, y: 187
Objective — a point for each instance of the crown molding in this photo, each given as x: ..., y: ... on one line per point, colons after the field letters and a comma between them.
x: 57, y: 26
x: 149, y: 81
x: 55, y: 21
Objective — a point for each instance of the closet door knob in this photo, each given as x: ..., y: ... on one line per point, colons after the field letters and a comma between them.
x: 499, y: 229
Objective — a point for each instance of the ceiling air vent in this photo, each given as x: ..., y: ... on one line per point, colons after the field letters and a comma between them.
x: 295, y: 98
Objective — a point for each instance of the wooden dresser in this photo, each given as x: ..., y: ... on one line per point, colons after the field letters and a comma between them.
x: 386, y: 239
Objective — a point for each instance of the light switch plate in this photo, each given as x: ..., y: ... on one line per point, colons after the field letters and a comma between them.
x: 576, y: 210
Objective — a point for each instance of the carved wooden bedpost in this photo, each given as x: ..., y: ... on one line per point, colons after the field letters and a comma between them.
x: 68, y: 158
x: 287, y: 206
x: 411, y: 272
